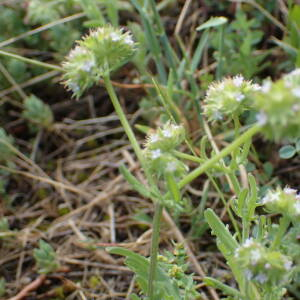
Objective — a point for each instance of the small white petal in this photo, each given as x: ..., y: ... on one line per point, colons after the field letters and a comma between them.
x: 248, y: 243
x: 297, y: 207
x: 238, y: 80
x: 115, y: 37
x: 239, y: 97
x: 266, y: 86
x: 155, y: 154
x: 255, y: 256
x: 153, y: 138
x: 267, y: 266
x: 171, y: 166
x: 296, y: 92
x: 167, y: 133
x: 128, y: 40
x: 248, y: 274
x: 289, y: 191
x: 261, y: 278
x: 256, y: 87
x: 288, y: 265
x: 261, y: 118
x: 88, y: 65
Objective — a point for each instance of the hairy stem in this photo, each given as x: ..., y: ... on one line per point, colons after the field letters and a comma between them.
x: 226, y: 151
x: 31, y: 61
x: 154, y: 249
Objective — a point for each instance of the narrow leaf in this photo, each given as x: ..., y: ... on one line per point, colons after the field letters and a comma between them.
x: 213, y: 22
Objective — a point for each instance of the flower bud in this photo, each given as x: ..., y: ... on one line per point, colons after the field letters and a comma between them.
x: 279, y: 104
x: 161, y: 163
x: 167, y: 138
x: 231, y: 96
x: 99, y: 53
x: 286, y: 202
x: 262, y: 265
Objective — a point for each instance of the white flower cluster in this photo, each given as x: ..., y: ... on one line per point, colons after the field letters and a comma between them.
x: 100, y: 52
x: 278, y: 104
x: 286, y: 201
x: 158, y: 150
x: 228, y: 97
x: 261, y: 264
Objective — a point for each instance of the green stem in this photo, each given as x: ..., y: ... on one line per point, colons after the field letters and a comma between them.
x: 154, y: 248
x: 31, y: 61
x: 123, y: 120
x: 228, y: 150
x: 283, y: 226
x: 220, y: 57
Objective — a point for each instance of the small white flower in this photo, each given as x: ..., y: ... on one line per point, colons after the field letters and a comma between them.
x: 255, y: 256
x: 239, y: 97
x: 217, y: 115
x: 265, y: 199
x: 155, y: 154
x: 267, y: 266
x: 288, y: 265
x: 128, y: 40
x: 296, y: 92
x: 266, y: 86
x: 238, y: 80
x: 296, y: 107
x: 261, y: 278
x: 297, y: 207
x: 175, y: 126
x: 261, y: 118
x: 289, y: 191
x: 167, y: 133
x: 248, y: 274
x: 171, y: 166
x: 115, y: 37
x: 88, y: 65
x: 256, y: 87
x: 77, y: 51
x: 274, y: 197
x: 74, y: 87
x: 248, y: 243
x: 153, y: 138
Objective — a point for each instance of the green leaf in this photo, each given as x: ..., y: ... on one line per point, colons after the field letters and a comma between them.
x: 298, y: 146
x: 45, y: 257
x: 220, y: 231
x: 140, y: 266
x: 213, y: 22
x: 287, y: 151
x: 6, y: 153
x: 138, y: 186
x: 37, y: 111
x: 229, y: 291
x: 134, y: 297
x: 2, y: 287
x: 173, y: 187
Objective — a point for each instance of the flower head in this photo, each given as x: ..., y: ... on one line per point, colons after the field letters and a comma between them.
x: 100, y: 52
x: 166, y: 138
x: 261, y: 264
x: 228, y: 97
x: 279, y: 101
x: 285, y: 201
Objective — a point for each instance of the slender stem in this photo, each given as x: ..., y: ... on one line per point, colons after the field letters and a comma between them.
x: 123, y: 120
x: 283, y: 226
x: 158, y: 205
x: 154, y: 248
x: 220, y: 49
x: 31, y: 61
x: 226, y: 151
